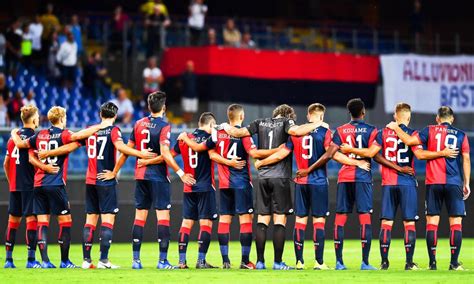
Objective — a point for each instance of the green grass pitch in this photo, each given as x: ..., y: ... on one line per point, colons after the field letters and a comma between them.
x: 120, y: 254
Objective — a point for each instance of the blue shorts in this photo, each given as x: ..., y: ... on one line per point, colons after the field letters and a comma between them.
x: 101, y: 199
x: 450, y: 194
x: 311, y: 196
x: 148, y: 193
x: 51, y: 200
x: 236, y: 201
x: 399, y: 195
x: 199, y: 205
x: 21, y: 203
x: 350, y: 192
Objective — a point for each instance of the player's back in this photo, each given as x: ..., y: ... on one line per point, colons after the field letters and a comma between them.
x: 272, y: 132
x: 149, y: 133
x: 21, y: 173
x: 444, y: 170
x: 358, y: 134
x: 307, y: 150
x: 50, y: 139
x: 394, y: 150
x: 199, y: 165
x: 231, y: 147
x: 102, y: 154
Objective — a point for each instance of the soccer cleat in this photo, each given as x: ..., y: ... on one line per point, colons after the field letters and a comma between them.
x: 248, y: 265
x: 47, y: 264
x: 137, y: 264
x: 340, y: 266
x: 322, y: 266
x: 433, y: 266
x: 411, y: 266
x: 182, y: 265
x: 260, y: 266
x: 67, y: 264
x: 365, y: 266
x: 281, y: 266
x: 226, y: 265
x: 33, y: 264
x: 9, y: 264
x: 107, y: 265
x: 165, y: 264
x: 456, y: 267
x: 384, y: 265
x: 87, y: 265
x: 299, y: 265
x: 203, y: 264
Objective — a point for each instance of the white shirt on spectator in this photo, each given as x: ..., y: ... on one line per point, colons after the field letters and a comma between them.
x: 123, y: 106
x: 36, y: 30
x: 154, y: 73
x: 29, y: 102
x: 197, y: 16
x: 67, y: 54
x: 3, y: 115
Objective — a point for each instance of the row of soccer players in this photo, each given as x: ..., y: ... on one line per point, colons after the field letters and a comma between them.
x: 273, y: 196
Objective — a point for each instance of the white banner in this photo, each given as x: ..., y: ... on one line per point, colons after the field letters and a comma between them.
x: 428, y: 82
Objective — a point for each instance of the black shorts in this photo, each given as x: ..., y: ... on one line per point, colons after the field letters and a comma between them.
x: 101, y: 199
x: 21, y: 203
x: 199, y: 205
x: 152, y: 193
x: 274, y: 196
x: 51, y: 200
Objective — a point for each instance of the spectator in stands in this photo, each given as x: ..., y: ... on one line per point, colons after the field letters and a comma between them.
x: 4, y: 121
x: 148, y: 8
x: 36, y: 31
x: 67, y: 60
x: 77, y: 33
x: 95, y: 75
x: 232, y: 36
x: 152, y: 77
x: 3, y: 46
x: 196, y: 20
x: 417, y: 19
x: 26, y: 46
x: 29, y: 99
x: 119, y: 23
x: 62, y: 34
x: 125, y: 107
x: 52, y: 46
x: 13, y: 44
x: 189, y: 97
x: 211, y: 37
x: 14, y: 108
x: 49, y: 21
x: 4, y: 90
x: 247, y: 41
x: 155, y: 25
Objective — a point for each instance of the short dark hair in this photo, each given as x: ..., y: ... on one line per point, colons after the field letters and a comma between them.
x: 108, y: 110
x: 316, y: 107
x: 156, y: 101
x: 284, y: 111
x: 355, y: 107
x: 206, y: 118
x: 445, y: 112
x: 233, y: 110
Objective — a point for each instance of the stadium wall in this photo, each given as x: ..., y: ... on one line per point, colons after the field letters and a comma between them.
x: 125, y: 217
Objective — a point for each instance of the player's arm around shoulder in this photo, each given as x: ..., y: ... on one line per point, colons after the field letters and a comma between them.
x: 304, y: 129
x: 196, y: 147
x: 63, y: 150
x: 85, y: 133
x: 19, y: 143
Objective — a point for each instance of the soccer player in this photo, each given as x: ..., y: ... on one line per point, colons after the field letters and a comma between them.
x: 20, y: 171
x: 152, y: 181
x: 398, y: 189
x: 235, y: 184
x: 50, y: 193
x: 447, y: 180
x: 101, y: 195
x: 274, y: 191
x: 354, y: 184
x: 311, y: 192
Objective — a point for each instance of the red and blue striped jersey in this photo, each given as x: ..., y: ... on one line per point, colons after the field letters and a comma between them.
x: 50, y: 139
x: 102, y: 154
x: 21, y: 173
x: 360, y: 135
x: 231, y: 147
x: 436, y: 138
x: 307, y: 150
x: 394, y: 150
x: 149, y: 133
x: 199, y: 165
